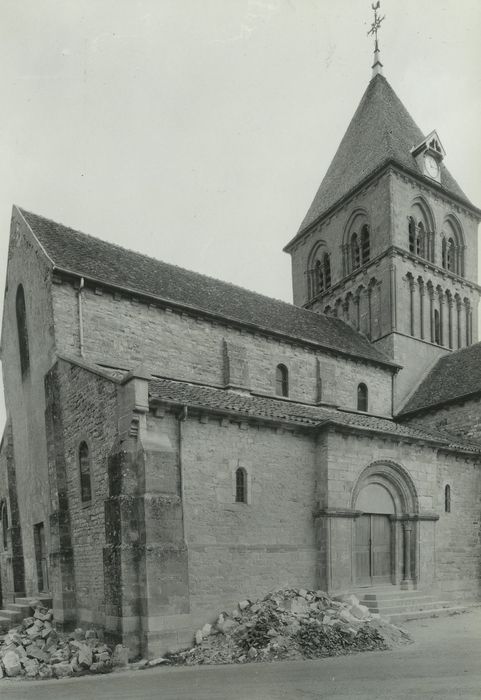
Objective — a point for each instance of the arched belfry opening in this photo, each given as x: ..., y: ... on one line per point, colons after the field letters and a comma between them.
x: 386, y: 510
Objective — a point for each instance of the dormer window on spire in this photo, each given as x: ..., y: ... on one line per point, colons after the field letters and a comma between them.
x: 428, y: 155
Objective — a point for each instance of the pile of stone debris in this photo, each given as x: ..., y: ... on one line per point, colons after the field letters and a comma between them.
x: 34, y: 649
x: 291, y: 624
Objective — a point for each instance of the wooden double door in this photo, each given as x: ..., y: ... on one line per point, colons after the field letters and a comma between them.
x: 372, y: 549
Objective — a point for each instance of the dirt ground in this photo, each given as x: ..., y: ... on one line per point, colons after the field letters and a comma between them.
x: 443, y: 663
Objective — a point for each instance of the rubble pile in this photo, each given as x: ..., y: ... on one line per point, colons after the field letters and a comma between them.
x: 291, y: 624
x: 34, y: 649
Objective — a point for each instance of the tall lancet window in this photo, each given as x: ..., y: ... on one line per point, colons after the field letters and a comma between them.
x: 22, y: 329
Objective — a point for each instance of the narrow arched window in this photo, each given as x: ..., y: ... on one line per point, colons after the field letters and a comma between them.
x: 444, y: 253
x: 412, y: 235
x: 355, y: 252
x: 362, y: 397
x: 84, y: 467
x: 319, y: 286
x: 437, y: 327
x: 447, y: 498
x: 326, y: 268
x: 282, y: 381
x: 468, y: 322
x: 365, y: 244
x: 451, y: 256
x: 241, y: 485
x: 4, y: 525
x: 22, y: 330
x: 420, y: 241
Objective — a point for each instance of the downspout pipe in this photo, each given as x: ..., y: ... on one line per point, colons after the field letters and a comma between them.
x: 80, y: 316
x: 182, y: 417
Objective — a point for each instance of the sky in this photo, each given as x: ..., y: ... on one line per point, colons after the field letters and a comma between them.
x: 198, y: 131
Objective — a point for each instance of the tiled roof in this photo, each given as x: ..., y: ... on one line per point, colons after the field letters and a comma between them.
x: 270, y: 408
x: 381, y: 130
x: 105, y: 262
x: 454, y: 376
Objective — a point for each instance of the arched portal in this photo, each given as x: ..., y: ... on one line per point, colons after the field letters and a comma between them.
x: 386, y: 505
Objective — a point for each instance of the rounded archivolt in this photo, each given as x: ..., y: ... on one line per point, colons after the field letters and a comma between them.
x: 421, y: 229
x: 318, y: 270
x: 390, y: 477
x: 356, y: 241
x: 452, y: 246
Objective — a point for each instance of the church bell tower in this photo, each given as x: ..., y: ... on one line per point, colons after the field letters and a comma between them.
x: 389, y: 243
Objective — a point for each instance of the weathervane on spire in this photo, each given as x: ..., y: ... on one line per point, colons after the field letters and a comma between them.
x: 375, y: 26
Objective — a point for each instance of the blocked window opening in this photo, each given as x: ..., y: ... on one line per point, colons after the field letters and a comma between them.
x: 84, y: 467
x: 241, y: 485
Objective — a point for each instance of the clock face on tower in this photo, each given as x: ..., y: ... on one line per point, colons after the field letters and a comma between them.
x: 431, y: 166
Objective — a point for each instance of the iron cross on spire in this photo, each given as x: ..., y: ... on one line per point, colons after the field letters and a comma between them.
x: 375, y: 26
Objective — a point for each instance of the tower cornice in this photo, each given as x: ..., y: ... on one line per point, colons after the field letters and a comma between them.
x: 392, y: 252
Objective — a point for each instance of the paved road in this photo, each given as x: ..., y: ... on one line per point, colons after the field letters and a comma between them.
x: 444, y: 663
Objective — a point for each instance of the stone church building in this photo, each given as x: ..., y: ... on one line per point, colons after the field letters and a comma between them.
x: 175, y: 443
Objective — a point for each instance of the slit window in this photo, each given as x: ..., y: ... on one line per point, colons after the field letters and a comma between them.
x: 84, y: 466
x: 447, y: 498
x: 362, y: 397
x: 282, y: 381
x: 437, y: 327
x: 4, y: 525
x: 241, y: 485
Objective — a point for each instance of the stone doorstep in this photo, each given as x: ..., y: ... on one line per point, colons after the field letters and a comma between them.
x: 387, y: 611
x: 386, y: 594
x: 422, y: 614
x: 44, y: 600
x: 12, y: 615
x: 5, y: 624
x: 24, y: 610
x: 401, y: 602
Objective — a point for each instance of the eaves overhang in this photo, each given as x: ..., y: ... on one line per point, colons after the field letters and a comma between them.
x: 221, y: 318
x: 315, y: 427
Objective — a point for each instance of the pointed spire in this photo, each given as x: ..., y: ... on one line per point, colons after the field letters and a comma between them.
x: 376, y: 25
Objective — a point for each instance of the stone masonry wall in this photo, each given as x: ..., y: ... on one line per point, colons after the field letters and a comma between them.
x: 12, y: 576
x: 462, y: 418
x: 451, y: 563
x: 122, y: 333
x: 239, y: 550
x: 458, y: 532
x: 25, y: 398
x: 89, y: 412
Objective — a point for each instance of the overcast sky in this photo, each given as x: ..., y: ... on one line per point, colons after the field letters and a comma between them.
x: 197, y: 131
